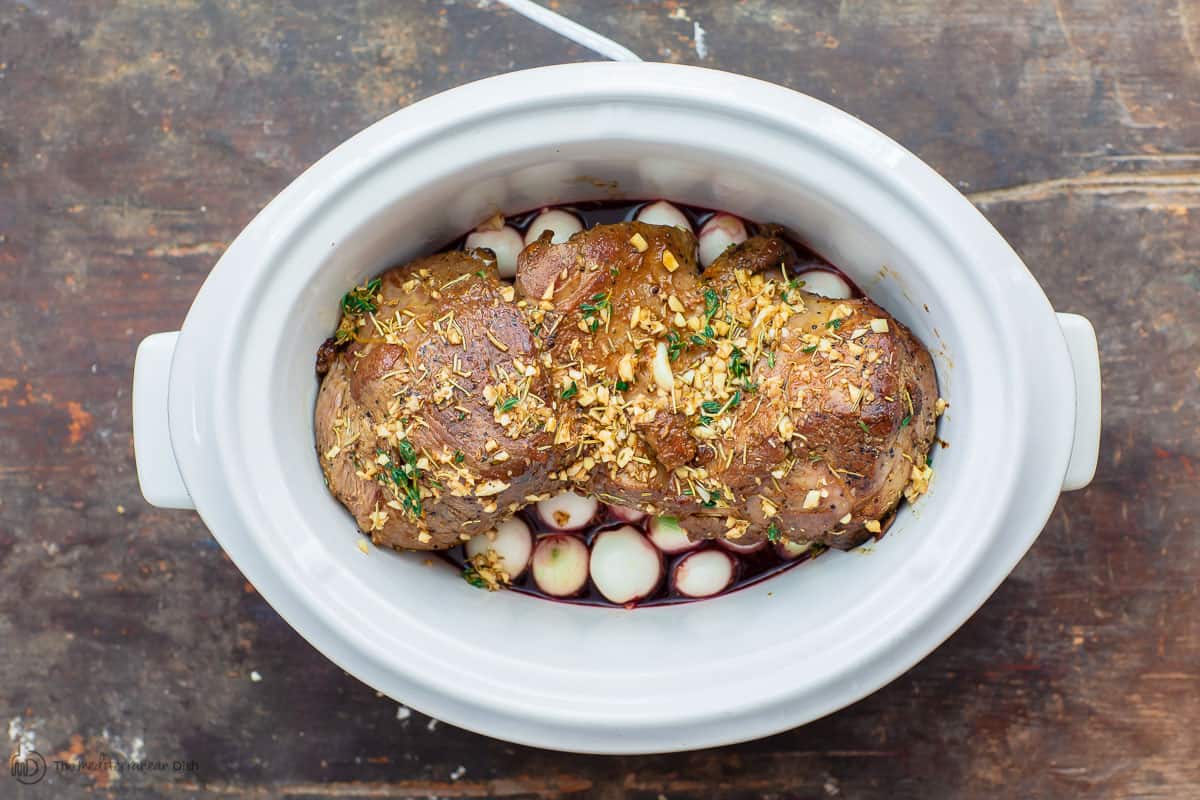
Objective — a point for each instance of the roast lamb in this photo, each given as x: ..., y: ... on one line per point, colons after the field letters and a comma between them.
x: 614, y: 366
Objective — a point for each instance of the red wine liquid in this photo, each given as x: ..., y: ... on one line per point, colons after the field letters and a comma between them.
x: 751, y: 567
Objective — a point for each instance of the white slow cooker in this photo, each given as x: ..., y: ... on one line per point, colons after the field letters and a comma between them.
x: 223, y: 409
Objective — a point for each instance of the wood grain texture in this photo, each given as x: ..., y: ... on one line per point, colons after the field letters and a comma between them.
x: 138, y: 137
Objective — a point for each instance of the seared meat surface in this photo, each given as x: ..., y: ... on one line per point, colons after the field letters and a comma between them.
x: 779, y: 413
x: 729, y: 397
x: 825, y: 426
x: 430, y: 421
x: 609, y: 300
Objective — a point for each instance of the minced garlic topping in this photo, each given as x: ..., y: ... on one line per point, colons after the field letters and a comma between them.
x: 485, y: 570
x: 705, y: 368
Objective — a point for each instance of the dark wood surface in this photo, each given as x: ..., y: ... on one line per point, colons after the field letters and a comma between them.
x: 137, y: 138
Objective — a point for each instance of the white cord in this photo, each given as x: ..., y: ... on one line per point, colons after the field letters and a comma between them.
x: 572, y: 30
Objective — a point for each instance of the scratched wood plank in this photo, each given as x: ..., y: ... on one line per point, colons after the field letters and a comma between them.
x: 138, y: 137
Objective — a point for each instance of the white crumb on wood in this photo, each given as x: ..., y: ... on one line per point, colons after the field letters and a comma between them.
x: 432, y: 724
x: 403, y: 713
x: 458, y: 772
x: 254, y: 676
x: 24, y: 738
x: 134, y: 749
x: 699, y: 35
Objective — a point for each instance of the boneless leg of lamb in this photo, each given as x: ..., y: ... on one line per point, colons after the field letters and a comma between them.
x: 728, y: 398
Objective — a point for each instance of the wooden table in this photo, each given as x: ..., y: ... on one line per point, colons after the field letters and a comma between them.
x: 137, y: 138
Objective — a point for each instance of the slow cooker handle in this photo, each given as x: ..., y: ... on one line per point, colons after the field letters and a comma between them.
x: 157, y: 470
x: 1085, y: 361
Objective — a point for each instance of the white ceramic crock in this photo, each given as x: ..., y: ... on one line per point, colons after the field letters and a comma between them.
x: 229, y: 400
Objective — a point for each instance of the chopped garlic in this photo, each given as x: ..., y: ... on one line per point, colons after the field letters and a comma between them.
x: 490, y: 487
x: 769, y: 509
x: 879, y: 325
x: 918, y: 482
x: 662, y: 367
x: 812, y: 500
x: 625, y: 367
